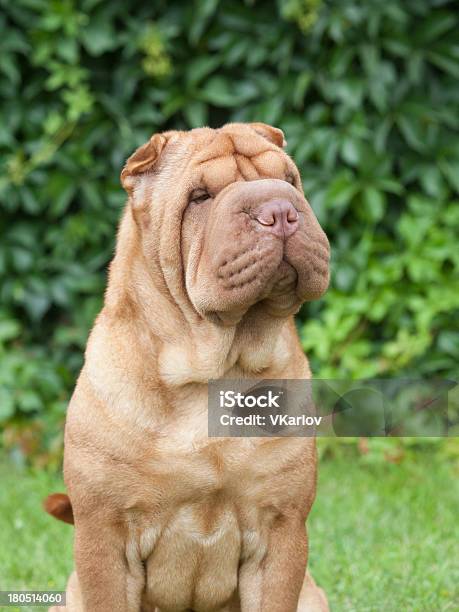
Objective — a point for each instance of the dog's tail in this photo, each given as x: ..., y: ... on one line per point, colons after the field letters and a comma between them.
x: 59, y: 506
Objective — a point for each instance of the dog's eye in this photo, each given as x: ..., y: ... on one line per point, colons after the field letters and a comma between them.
x: 199, y: 195
x: 290, y: 179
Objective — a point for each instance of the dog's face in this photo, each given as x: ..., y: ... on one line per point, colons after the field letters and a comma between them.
x: 231, y: 202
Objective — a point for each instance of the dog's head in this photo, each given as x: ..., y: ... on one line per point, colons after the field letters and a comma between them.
x: 222, y: 215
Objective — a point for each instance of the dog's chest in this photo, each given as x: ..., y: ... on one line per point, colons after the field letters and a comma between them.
x: 213, y: 512
x: 188, y: 467
x: 210, y: 505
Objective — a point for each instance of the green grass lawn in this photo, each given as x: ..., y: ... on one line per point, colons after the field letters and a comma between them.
x: 385, y: 537
x: 382, y: 537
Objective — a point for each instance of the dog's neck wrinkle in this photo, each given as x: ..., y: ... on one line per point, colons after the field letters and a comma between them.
x: 131, y: 281
x: 222, y: 353
x: 257, y: 341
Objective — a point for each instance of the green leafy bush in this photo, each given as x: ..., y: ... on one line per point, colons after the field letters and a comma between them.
x: 368, y: 96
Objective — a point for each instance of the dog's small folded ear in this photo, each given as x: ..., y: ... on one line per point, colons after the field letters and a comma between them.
x: 142, y: 160
x: 273, y: 134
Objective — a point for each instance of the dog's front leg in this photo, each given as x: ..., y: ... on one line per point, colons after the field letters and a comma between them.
x: 111, y: 577
x: 273, y: 584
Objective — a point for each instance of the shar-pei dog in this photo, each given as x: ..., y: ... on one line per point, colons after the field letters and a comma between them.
x: 217, y: 249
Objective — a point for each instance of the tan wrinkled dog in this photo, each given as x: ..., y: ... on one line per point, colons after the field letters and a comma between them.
x: 217, y: 249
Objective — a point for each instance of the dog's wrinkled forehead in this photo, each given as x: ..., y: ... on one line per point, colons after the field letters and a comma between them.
x: 209, y: 158
x: 236, y: 153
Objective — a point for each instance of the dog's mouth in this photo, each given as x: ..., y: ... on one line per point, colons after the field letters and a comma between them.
x: 261, y: 274
x: 285, y: 279
x: 281, y: 296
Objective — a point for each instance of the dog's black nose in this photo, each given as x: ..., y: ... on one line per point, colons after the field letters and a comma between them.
x: 279, y: 217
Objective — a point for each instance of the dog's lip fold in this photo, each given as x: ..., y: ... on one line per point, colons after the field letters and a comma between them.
x: 284, y: 279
